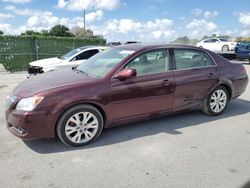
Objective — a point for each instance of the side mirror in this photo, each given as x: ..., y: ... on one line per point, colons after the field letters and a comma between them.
x: 125, y: 74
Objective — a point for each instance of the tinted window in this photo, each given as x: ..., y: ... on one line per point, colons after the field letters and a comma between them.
x: 86, y: 54
x: 224, y: 40
x: 245, y: 45
x: 214, y: 40
x: 150, y: 62
x: 186, y: 59
x: 208, y: 40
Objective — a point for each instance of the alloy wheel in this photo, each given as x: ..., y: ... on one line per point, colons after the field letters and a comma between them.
x: 218, y: 101
x: 81, y: 127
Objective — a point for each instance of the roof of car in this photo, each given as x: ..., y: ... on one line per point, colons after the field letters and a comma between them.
x: 141, y: 46
x: 87, y: 47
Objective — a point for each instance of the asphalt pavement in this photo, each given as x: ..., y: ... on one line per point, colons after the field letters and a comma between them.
x: 186, y: 150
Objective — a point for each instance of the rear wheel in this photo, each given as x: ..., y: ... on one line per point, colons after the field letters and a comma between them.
x: 216, y: 101
x: 80, y: 125
x: 225, y: 48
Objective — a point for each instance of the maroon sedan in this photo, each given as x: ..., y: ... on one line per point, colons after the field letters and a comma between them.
x: 121, y: 85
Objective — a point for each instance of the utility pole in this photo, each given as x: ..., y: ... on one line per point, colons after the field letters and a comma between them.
x: 84, y: 21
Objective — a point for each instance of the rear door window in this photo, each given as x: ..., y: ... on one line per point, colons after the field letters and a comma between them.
x: 186, y: 59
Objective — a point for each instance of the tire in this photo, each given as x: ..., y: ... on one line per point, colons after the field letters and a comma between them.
x: 213, y: 105
x: 80, y: 125
x: 225, y: 48
x: 200, y: 46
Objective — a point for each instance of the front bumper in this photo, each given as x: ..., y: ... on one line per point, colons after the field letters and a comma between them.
x: 29, y: 125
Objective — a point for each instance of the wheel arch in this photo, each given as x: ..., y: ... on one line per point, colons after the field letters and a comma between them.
x: 228, y: 88
x: 98, y: 107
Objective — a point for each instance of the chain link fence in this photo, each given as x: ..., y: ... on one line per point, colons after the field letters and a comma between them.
x: 16, y: 52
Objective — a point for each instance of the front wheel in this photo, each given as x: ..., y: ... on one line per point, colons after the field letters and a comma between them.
x: 80, y: 125
x: 216, y: 101
x: 225, y: 48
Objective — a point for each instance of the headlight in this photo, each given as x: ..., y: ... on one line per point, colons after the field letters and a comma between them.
x: 28, y: 104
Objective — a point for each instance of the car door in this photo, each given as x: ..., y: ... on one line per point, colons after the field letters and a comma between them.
x: 207, y: 44
x: 243, y: 50
x: 150, y: 92
x: 215, y: 45
x: 195, y: 75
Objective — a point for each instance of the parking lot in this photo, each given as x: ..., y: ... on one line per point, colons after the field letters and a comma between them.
x: 186, y: 150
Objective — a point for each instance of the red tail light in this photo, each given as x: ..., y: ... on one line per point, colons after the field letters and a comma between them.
x: 242, y: 70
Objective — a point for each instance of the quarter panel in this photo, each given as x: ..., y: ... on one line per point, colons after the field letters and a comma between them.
x: 192, y: 86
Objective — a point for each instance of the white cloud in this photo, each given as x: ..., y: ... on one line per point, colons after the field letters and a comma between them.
x: 17, y: 1
x: 200, y: 27
x: 245, y: 19
x: 127, y: 25
x: 127, y: 29
x: 80, y: 5
x: 197, y: 12
x: 39, y: 20
x: 159, y: 24
x: 93, y: 16
x: 6, y: 16
x: 24, y: 12
x: 6, y: 28
x: 45, y: 20
x: 245, y: 32
x: 208, y: 14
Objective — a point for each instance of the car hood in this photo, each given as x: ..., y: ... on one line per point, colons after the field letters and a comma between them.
x: 50, y: 81
x: 46, y: 62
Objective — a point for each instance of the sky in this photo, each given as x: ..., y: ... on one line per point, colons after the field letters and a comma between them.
x: 126, y: 20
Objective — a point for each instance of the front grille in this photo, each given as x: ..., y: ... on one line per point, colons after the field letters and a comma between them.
x: 35, y: 70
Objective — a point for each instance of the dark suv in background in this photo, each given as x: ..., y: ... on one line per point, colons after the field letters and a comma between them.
x: 242, y: 50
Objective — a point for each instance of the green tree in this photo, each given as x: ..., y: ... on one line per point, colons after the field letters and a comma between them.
x: 45, y: 33
x: 181, y: 40
x: 30, y: 32
x: 81, y: 32
x: 1, y: 32
x: 60, y: 31
x: 185, y: 40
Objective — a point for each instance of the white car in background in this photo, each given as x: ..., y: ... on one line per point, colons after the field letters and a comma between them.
x: 70, y: 59
x: 217, y: 44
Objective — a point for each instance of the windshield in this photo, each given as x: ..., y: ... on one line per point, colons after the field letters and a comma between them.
x: 70, y: 54
x: 224, y: 40
x: 100, y: 64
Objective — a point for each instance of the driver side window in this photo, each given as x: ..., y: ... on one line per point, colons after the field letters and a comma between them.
x: 151, y: 62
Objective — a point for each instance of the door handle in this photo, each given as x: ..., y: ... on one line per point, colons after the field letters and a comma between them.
x: 210, y: 74
x: 165, y: 82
